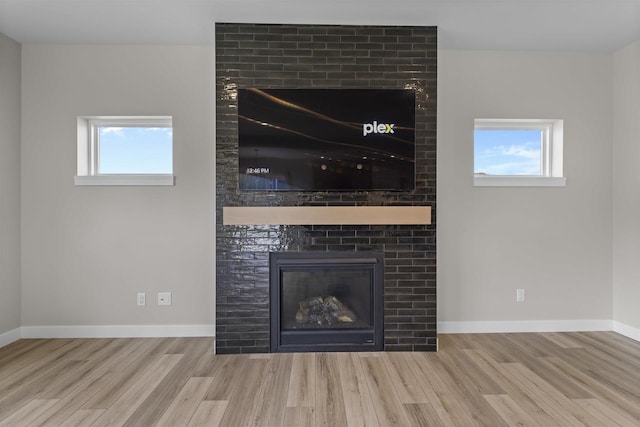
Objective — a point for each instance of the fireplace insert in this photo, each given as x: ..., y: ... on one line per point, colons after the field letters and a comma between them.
x: 326, y: 301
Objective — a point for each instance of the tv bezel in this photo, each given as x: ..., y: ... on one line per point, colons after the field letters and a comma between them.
x: 343, y: 91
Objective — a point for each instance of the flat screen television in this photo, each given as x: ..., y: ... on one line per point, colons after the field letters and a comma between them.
x: 326, y: 139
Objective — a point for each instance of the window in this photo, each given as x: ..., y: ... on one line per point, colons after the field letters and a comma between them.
x: 125, y: 150
x: 515, y: 153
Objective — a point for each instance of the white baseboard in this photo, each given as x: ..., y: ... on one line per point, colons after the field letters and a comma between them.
x: 118, y: 331
x: 154, y: 331
x: 524, y: 326
x: 626, y: 330
x: 11, y: 336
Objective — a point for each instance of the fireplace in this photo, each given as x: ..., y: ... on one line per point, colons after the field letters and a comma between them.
x: 243, y: 250
x: 326, y: 301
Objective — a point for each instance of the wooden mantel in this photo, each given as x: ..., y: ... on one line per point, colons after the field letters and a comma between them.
x: 326, y: 215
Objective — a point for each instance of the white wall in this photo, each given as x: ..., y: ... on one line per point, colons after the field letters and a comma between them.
x: 626, y: 189
x: 9, y: 186
x: 87, y: 251
x: 556, y: 243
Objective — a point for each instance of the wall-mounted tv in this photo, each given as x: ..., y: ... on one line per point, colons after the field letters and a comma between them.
x: 326, y: 139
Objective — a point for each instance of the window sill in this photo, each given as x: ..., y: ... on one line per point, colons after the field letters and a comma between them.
x: 519, y: 181
x: 130, y: 180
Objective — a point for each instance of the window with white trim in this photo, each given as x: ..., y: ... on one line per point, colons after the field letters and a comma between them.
x: 125, y: 150
x: 518, y: 152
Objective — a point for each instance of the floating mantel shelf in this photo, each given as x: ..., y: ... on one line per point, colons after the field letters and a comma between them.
x: 326, y: 215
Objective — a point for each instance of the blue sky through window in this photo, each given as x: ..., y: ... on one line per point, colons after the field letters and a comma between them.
x: 508, y: 152
x: 136, y: 150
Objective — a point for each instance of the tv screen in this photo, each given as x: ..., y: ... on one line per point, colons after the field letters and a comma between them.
x: 326, y: 139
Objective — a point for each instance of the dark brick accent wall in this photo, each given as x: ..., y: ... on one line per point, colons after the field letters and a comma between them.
x: 319, y: 56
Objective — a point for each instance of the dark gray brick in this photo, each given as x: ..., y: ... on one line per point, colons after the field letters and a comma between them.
x: 263, y: 55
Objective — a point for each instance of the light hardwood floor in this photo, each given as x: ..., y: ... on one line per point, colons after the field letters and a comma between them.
x: 536, y: 379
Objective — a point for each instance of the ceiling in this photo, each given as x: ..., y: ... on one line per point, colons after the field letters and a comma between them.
x: 550, y: 25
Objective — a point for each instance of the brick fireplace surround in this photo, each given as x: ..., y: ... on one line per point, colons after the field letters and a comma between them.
x: 320, y: 56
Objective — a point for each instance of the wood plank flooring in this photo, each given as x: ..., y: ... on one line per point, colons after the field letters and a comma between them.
x: 532, y: 379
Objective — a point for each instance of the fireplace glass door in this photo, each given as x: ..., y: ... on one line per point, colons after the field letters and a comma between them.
x: 326, y: 302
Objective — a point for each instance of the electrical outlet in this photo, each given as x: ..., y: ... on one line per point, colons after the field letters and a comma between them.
x: 142, y: 299
x: 164, y: 298
x: 519, y: 295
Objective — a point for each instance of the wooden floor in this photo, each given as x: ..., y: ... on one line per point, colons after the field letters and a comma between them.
x: 550, y: 379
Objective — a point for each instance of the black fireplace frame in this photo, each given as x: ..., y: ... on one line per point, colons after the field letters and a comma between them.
x: 334, y: 339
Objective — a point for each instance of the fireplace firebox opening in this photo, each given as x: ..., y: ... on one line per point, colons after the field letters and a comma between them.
x: 326, y: 301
